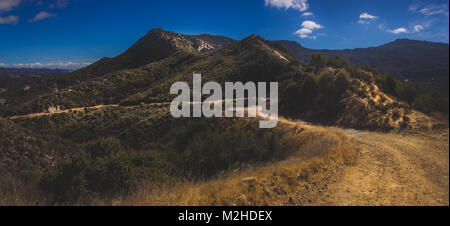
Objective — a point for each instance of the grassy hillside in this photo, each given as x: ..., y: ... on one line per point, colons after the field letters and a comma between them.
x: 154, y: 152
x: 114, y: 137
x: 318, y: 157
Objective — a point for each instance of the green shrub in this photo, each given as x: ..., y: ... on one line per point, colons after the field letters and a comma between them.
x: 408, y: 91
x: 112, y: 175
x: 338, y: 62
x: 300, y: 96
x: 68, y: 182
x: 342, y: 81
x: 388, y: 83
x: 317, y: 61
x: 100, y: 171
x: 420, y: 98
x: 432, y: 101
x: 206, y: 147
x: 103, y: 147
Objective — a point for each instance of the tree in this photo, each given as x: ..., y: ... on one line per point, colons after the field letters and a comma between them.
x: 317, y: 61
x: 300, y: 95
x: 338, y: 62
x: 432, y: 101
x: 408, y: 91
x: 388, y: 83
x: 342, y: 81
x: 103, y: 147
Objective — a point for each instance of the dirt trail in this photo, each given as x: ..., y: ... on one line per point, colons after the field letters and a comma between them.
x: 35, y: 115
x: 395, y: 169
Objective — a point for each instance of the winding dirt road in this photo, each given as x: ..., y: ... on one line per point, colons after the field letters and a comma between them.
x: 395, y: 169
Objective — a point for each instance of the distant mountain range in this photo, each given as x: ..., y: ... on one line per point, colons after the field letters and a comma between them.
x: 145, y: 72
x: 423, y: 62
x: 34, y: 72
x: 17, y: 78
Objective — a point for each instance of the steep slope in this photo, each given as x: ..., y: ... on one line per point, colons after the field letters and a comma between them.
x: 209, y: 43
x: 419, y: 61
x: 365, y: 106
x: 154, y: 46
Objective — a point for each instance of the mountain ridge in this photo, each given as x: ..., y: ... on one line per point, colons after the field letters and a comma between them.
x: 419, y: 61
x: 423, y: 62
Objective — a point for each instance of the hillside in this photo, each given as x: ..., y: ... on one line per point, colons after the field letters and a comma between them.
x: 341, y: 96
x: 154, y: 46
x: 149, y: 83
x: 361, y: 168
x: 111, y: 135
x: 423, y: 62
x: 22, y: 149
x: 13, y: 80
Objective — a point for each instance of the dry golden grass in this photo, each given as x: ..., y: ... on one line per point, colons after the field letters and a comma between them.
x: 321, y: 156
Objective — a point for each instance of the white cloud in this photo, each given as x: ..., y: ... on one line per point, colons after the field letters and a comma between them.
x: 434, y: 9
x: 418, y: 28
x: 42, y: 15
x: 398, y: 30
x: 8, y: 5
x: 307, y: 29
x: 306, y: 14
x: 301, y: 5
x: 365, y: 18
x: 2, y: 65
x: 311, y: 25
x: 303, y: 33
x: 9, y: 20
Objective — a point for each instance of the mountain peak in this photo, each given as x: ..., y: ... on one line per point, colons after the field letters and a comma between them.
x: 156, y: 45
x: 406, y: 41
x: 253, y: 40
x: 255, y: 37
x: 158, y: 29
x: 403, y: 40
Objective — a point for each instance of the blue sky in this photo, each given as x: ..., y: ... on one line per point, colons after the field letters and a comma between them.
x: 74, y: 33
